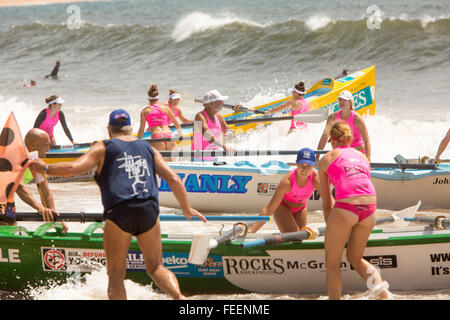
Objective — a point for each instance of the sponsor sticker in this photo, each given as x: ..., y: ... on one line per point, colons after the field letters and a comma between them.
x: 72, y: 259
x: 266, y: 189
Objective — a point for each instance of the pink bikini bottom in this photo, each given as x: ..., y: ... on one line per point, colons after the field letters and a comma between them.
x: 361, y: 210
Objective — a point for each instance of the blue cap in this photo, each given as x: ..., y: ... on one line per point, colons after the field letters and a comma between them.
x: 307, y: 156
x: 119, y: 118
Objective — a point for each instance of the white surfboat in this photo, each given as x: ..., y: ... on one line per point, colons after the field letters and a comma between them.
x: 246, y: 187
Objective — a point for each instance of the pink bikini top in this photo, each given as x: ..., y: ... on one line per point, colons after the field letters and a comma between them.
x: 357, y: 138
x: 49, y: 123
x: 299, y: 194
x: 157, y: 118
x: 350, y: 175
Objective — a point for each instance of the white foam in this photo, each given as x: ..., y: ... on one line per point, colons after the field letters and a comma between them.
x: 317, y: 22
x: 199, y: 22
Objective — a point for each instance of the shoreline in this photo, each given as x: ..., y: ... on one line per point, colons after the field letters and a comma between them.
x: 21, y: 3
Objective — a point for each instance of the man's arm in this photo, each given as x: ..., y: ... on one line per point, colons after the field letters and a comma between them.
x: 91, y: 159
x: 175, y: 184
x: 62, y: 118
x: 40, y: 118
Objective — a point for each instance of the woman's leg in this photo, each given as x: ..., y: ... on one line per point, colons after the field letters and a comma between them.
x: 285, y: 219
x: 355, y: 250
x: 339, y: 226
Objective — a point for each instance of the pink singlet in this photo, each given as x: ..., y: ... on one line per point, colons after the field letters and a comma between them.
x: 295, y: 124
x: 49, y: 123
x: 350, y: 175
x: 298, y: 194
x: 357, y: 138
x: 200, y: 143
x: 157, y: 118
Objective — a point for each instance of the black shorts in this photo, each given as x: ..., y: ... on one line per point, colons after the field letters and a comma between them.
x: 134, y: 216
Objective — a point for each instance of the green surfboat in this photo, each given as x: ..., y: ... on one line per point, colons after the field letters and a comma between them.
x: 409, y: 259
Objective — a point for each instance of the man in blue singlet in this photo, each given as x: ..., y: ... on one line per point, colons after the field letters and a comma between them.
x: 126, y: 174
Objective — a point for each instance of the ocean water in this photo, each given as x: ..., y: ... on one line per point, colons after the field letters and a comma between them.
x: 253, y: 51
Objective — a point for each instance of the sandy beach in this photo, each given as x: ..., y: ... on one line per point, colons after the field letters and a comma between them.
x: 13, y: 3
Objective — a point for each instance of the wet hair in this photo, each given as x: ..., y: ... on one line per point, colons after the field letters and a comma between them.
x: 342, y: 132
x: 51, y: 98
x: 153, y: 91
x: 300, y: 86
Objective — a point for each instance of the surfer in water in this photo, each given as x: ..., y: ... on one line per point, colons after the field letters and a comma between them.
x: 54, y: 73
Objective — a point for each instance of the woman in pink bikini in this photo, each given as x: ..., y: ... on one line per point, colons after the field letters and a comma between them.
x: 173, y: 104
x: 210, y: 136
x: 297, y: 105
x: 49, y: 117
x: 288, y: 204
x: 347, y: 114
x: 351, y: 217
x: 158, y: 118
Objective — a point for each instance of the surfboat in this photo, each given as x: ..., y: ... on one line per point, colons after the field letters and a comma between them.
x: 409, y: 259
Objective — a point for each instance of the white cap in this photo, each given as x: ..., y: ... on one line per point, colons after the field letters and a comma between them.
x: 213, y: 95
x: 346, y: 95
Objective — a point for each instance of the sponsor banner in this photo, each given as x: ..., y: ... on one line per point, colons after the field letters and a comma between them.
x: 211, y: 183
x: 178, y: 263
x: 72, y: 259
x: 361, y: 99
x: 9, y: 255
x: 441, y: 264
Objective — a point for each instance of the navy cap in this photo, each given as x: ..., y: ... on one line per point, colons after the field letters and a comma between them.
x: 119, y: 118
x: 307, y: 156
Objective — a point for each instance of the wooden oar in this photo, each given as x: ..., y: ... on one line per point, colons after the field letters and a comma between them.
x: 311, y: 233
x: 93, y: 217
x: 230, y: 106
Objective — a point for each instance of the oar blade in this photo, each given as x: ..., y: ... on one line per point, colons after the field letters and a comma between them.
x: 399, y: 217
x: 201, y: 244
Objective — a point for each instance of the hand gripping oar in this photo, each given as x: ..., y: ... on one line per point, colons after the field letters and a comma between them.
x: 230, y: 106
x: 311, y: 233
x: 95, y: 217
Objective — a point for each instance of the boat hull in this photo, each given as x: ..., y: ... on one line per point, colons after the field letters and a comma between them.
x: 414, y: 260
x: 244, y: 187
